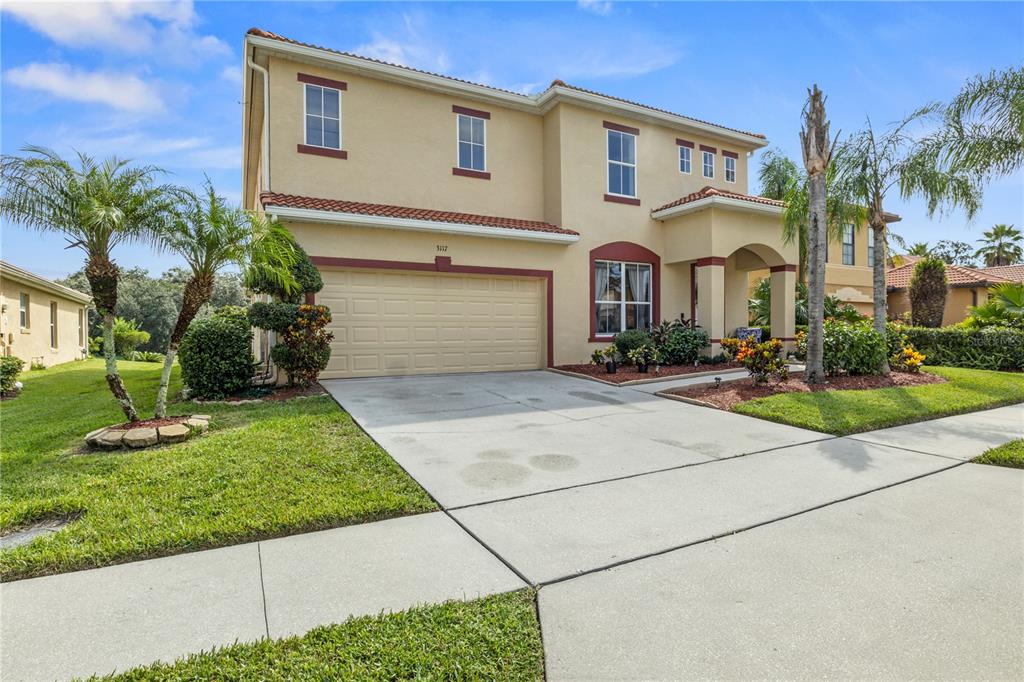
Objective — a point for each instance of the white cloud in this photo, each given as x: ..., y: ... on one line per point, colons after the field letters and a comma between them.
x: 121, y: 91
x: 231, y: 74
x: 602, y: 7
x: 411, y: 47
x: 127, y: 26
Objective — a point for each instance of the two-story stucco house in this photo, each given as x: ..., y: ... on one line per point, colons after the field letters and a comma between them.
x: 460, y: 227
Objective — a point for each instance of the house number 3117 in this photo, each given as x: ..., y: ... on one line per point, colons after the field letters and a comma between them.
x: 442, y: 248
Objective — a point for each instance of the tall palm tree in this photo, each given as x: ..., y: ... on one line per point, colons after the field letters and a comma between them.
x: 919, y: 249
x: 96, y: 206
x: 879, y: 162
x: 211, y: 235
x: 782, y: 179
x: 1001, y: 245
x: 817, y: 155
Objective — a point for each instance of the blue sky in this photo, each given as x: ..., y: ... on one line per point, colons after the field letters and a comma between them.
x: 161, y: 82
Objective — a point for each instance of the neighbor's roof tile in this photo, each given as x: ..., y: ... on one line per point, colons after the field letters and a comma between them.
x: 388, y: 211
x: 709, y: 191
x: 1013, y: 272
x: 956, y: 276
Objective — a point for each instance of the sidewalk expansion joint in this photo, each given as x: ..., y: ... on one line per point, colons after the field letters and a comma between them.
x: 263, y: 588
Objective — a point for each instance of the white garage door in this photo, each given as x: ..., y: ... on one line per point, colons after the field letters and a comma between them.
x: 393, y: 322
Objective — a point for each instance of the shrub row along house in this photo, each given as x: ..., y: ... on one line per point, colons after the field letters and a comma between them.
x: 460, y: 227
x: 41, y: 322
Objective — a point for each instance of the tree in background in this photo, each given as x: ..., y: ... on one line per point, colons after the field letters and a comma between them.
x: 928, y: 292
x: 919, y: 249
x: 783, y: 180
x: 96, y: 206
x: 1001, y: 246
x: 760, y: 304
x: 817, y: 156
x: 210, y: 235
x: 954, y: 252
x: 876, y: 162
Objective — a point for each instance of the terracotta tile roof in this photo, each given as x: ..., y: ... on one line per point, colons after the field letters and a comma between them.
x: 561, y: 83
x: 387, y: 211
x: 1012, y: 272
x: 956, y: 276
x: 556, y: 83
x: 709, y: 191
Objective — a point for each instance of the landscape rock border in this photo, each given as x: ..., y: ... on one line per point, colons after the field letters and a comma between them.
x: 117, y: 436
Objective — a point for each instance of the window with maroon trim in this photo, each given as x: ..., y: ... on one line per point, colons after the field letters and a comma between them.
x: 322, y: 116
x: 624, y: 297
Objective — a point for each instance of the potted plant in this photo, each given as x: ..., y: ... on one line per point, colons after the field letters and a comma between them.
x: 609, y: 355
x: 642, y: 357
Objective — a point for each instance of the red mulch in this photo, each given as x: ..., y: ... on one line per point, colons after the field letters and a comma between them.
x: 732, y: 393
x: 152, y: 423
x: 629, y: 373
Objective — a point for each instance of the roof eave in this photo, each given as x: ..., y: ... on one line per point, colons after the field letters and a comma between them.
x: 414, y: 225
x: 13, y: 272
x: 716, y: 202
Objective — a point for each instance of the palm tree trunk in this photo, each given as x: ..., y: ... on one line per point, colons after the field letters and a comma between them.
x: 878, y: 292
x: 102, y: 275
x: 198, y: 290
x: 817, y: 243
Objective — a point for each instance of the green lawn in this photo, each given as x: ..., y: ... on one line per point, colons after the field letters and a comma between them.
x: 1009, y: 455
x: 263, y: 470
x: 496, y: 638
x: 843, y: 412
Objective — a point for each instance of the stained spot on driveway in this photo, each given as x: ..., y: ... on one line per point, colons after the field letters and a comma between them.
x: 535, y: 400
x: 493, y: 475
x: 596, y: 397
x: 495, y: 454
x: 554, y: 462
x: 711, y: 449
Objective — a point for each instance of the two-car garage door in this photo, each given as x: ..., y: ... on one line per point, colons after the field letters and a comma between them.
x: 394, y: 322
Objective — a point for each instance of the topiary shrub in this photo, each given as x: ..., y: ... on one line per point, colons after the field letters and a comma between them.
x: 10, y: 368
x: 928, y: 292
x: 305, y: 273
x: 683, y: 345
x: 305, y: 346
x: 631, y: 339
x: 276, y: 317
x: 853, y: 348
x: 999, y: 348
x: 216, y: 354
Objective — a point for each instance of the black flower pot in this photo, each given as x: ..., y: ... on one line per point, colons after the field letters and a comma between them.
x: 642, y: 368
x: 610, y: 366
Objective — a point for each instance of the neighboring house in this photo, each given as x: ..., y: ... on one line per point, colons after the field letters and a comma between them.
x: 1014, y: 273
x: 461, y: 227
x: 41, y: 321
x: 966, y: 287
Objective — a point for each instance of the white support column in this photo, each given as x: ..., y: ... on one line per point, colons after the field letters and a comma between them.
x: 711, y: 299
x: 783, y: 283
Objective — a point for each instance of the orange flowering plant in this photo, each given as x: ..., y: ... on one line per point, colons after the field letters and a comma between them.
x: 764, y: 361
x: 908, y: 359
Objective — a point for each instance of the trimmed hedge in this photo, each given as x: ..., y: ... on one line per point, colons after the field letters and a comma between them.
x: 631, y: 339
x: 10, y: 368
x: 276, y: 317
x: 216, y: 354
x: 999, y: 348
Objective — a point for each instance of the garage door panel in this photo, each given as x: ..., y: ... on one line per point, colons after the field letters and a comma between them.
x: 394, y: 322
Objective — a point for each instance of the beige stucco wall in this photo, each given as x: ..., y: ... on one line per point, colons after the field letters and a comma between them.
x: 33, y: 344
x: 958, y: 301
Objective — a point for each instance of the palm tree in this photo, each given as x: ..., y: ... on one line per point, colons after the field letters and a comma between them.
x: 919, y: 249
x: 1001, y: 246
x: 817, y: 156
x: 781, y: 179
x: 210, y: 235
x: 876, y: 163
x: 96, y: 206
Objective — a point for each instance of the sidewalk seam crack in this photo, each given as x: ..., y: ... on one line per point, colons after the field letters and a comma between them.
x: 263, y: 589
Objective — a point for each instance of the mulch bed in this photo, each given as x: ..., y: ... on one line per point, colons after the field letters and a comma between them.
x: 274, y: 393
x: 734, y: 392
x: 629, y: 373
x: 153, y: 423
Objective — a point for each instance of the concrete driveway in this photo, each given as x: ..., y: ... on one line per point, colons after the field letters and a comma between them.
x: 473, y: 438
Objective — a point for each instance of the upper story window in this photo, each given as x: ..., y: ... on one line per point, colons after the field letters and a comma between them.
x: 871, y: 248
x: 621, y: 163
x: 708, y: 161
x: 848, y: 244
x: 25, y: 317
x: 623, y: 298
x: 53, y: 324
x: 685, y: 156
x: 323, y: 116
x: 472, y: 133
x: 730, y: 167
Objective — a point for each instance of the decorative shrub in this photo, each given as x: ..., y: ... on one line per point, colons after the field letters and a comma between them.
x: 597, y: 357
x: 144, y: 356
x: 10, y: 368
x: 644, y: 355
x: 1004, y: 308
x: 630, y: 339
x: 683, y: 346
x: 852, y: 348
x: 764, y: 361
x: 800, y: 351
x: 718, y: 359
x: 928, y: 292
x: 837, y: 310
x: 273, y: 316
x: 305, y: 273
x: 907, y: 360
x: 128, y: 336
x: 216, y: 354
x: 999, y: 348
x: 304, y: 348
x: 895, y: 337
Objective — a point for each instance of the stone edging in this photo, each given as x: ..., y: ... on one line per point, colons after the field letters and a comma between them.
x: 112, y: 438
